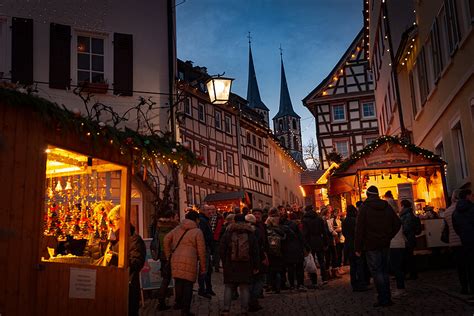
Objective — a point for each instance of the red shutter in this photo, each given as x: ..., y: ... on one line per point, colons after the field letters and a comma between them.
x: 59, y: 56
x: 123, y: 64
x: 22, y: 50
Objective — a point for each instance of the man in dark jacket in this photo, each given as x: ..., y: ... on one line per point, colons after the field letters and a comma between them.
x: 314, y: 234
x: 136, y: 261
x: 293, y: 252
x: 240, y: 260
x: 377, y: 223
x: 411, y: 226
x: 358, y: 278
x: 463, y: 223
x: 204, y: 281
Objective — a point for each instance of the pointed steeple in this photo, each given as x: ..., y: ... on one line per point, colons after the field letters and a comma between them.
x: 286, y: 108
x: 253, y: 94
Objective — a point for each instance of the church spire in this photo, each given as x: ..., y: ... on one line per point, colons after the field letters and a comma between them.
x: 253, y: 94
x: 286, y: 108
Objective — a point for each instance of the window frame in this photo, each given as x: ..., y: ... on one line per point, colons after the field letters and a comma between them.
x: 188, y: 106
x: 230, y: 169
x: 347, y: 147
x: 460, y: 150
x: 228, y: 124
x: 202, y: 112
x: 203, y: 150
x: 374, y: 110
x: 220, y: 166
x: 75, y: 55
x: 188, y: 187
x: 333, y: 107
x: 218, y: 120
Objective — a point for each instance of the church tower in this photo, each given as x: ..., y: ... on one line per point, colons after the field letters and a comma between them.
x: 286, y: 123
x: 253, y: 94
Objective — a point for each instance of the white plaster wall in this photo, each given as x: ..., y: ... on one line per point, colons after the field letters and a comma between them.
x: 145, y: 20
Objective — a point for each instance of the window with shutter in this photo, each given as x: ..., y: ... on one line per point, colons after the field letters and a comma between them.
x: 59, y: 56
x: 22, y: 50
x: 123, y: 64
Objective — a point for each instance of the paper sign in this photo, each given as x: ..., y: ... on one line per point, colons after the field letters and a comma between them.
x: 82, y: 283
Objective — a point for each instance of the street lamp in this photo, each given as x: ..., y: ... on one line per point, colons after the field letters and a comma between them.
x: 219, y: 89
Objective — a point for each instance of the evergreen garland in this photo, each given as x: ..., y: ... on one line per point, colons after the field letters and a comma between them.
x: 382, y: 140
x: 145, y: 148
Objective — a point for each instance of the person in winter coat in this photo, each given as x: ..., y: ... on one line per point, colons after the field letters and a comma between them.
x: 377, y: 223
x: 397, y: 251
x: 330, y: 253
x: 411, y: 226
x: 217, y: 223
x: 293, y: 249
x: 136, y: 261
x: 338, y: 238
x: 357, y: 271
x: 256, y: 288
x: 204, y: 281
x: 276, y: 236
x: 184, y: 258
x: 314, y: 235
x: 455, y: 243
x: 463, y: 223
x: 240, y: 261
x: 164, y: 225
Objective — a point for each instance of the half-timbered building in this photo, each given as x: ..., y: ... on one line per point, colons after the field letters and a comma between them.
x: 344, y: 105
x: 211, y: 131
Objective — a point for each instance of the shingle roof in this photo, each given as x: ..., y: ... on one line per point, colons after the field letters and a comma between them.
x: 286, y: 108
x: 253, y: 94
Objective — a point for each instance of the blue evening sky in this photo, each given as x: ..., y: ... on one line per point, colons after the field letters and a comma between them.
x: 313, y: 34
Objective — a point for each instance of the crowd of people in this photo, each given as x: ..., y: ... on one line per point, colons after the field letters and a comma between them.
x: 264, y: 251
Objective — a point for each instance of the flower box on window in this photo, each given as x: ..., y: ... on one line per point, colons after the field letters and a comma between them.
x: 95, y: 87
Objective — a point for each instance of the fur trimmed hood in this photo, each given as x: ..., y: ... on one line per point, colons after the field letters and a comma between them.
x: 241, y: 226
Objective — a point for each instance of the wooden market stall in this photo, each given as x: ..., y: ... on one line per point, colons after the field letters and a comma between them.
x: 410, y: 172
x: 51, y: 178
x: 390, y: 164
x: 227, y: 201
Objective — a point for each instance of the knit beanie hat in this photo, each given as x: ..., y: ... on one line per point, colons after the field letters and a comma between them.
x: 250, y: 218
x: 192, y: 215
x: 373, y: 190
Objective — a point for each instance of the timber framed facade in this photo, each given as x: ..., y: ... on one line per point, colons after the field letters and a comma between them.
x: 344, y: 105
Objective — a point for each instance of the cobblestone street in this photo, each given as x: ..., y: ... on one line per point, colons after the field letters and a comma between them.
x: 434, y: 293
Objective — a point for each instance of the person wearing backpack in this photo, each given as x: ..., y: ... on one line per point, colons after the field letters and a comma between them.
x: 411, y: 226
x: 164, y: 225
x: 275, y: 237
x: 240, y: 260
x: 293, y: 250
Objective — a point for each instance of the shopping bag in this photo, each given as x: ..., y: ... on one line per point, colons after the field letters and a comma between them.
x: 309, y: 264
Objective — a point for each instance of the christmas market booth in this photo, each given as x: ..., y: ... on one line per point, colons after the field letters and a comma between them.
x: 65, y: 191
x: 391, y: 164
x: 227, y: 201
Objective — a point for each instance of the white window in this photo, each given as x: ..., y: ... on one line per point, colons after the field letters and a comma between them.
x: 230, y: 163
x: 342, y: 147
x: 90, y: 59
x: 262, y: 174
x: 260, y: 146
x: 203, y: 150
x: 201, y: 112
x: 189, y: 194
x: 187, y: 106
x: 338, y: 113
x: 452, y: 25
x: 250, y: 166
x: 439, y: 150
x: 218, y: 119
x: 460, y: 152
x: 368, y: 110
x: 228, y: 124
x: 202, y: 194
x: 436, y: 53
x: 219, y: 161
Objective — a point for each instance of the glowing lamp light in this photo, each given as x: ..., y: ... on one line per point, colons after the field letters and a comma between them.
x: 219, y: 89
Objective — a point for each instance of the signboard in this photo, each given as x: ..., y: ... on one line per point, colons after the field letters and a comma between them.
x: 150, y: 276
x: 82, y: 283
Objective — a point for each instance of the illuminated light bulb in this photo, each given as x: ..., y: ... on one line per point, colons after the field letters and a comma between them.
x: 59, y: 187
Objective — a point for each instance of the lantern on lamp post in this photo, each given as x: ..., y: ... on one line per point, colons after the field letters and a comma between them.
x: 219, y: 89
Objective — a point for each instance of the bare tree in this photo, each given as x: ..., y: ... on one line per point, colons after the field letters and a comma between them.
x: 311, y: 155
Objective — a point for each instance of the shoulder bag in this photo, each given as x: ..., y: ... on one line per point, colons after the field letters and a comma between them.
x: 166, y: 268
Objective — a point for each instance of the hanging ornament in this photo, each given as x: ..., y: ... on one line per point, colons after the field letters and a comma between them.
x: 68, y: 185
x: 59, y: 187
